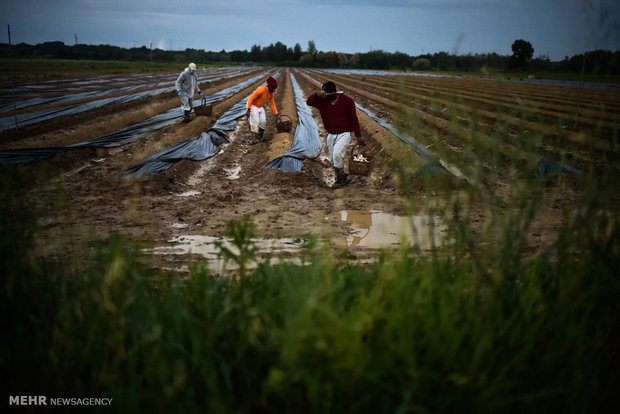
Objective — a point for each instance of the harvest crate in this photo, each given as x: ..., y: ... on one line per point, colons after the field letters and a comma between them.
x: 285, y: 125
x: 357, y: 167
x: 203, y: 109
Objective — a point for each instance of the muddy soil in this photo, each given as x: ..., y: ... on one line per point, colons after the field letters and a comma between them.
x: 83, y: 197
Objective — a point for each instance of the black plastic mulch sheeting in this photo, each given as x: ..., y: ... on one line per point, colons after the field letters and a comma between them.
x: 306, y: 143
x: 573, y: 84
x: 199, y: 148
x: 111, y: 85
x: 548, y: 167
x: 12, y: 121
x: 74, y: 96
x: 117, y: 138
x: 9, y: 122
x: 432, y: 164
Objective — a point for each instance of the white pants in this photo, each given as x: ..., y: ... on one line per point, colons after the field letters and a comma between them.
x: 257, y: 119
x: 186, y: 102
x: 338, y: 145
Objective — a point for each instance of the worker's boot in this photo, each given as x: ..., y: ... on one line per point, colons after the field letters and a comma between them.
x: 186, y: 116
x: 253, y: 138
x: 341, y: 177
x: 261, y: 131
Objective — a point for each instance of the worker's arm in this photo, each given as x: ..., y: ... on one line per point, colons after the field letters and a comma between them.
x: 272, y: 103
x: 316, y: 98
x: 177, y: 84
x: 356, y: 124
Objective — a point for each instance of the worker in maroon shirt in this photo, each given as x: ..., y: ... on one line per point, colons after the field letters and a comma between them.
x: 340, y: 120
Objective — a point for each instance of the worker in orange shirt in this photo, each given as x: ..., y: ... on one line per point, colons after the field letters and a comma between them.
x: 256, y: 112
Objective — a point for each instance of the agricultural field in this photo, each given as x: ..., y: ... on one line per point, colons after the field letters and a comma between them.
x: 164, y: 265
x: 487, y: 135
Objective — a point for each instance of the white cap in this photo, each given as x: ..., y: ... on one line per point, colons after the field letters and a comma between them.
x: 192, y: 66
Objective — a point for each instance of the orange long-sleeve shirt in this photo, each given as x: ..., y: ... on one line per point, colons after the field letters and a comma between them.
x: 260, y: 97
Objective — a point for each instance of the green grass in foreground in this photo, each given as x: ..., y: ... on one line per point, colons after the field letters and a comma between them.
x: 473, y: 327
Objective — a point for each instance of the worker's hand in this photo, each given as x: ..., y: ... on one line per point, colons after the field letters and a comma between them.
x: 180, y: 93
x: 321, y: 94
x: 361, y: 141
x: 278, y: 118
x: 247, y: 113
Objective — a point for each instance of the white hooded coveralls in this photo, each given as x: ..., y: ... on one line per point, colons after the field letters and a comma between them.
x: 187, y: 84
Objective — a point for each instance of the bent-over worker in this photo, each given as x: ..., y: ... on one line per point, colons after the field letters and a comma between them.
x: 340, y: 121
x: 186, y: 85
x: 256, y: 112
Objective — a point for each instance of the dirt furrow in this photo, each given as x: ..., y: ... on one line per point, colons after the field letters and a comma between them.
x: 593, y: 107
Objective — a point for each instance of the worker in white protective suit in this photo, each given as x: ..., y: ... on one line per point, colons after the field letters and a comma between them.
x: 186, y: 85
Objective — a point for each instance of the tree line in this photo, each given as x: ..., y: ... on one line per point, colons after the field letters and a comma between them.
x: 597, y: 61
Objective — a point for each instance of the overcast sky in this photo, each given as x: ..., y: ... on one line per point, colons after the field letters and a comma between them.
x: 555, y: 28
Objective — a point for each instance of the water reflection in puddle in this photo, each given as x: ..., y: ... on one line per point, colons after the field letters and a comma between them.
x: 189, y: 193
x: 233, y: 173
x: 369, y: 230
x: 376, y: 229
x: 206, y: 247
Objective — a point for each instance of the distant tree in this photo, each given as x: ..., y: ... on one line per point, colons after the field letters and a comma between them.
x: 399, y: 60
x: 240, y: 56
x: 222, y: 56
x: 327, y: 59
x: 467, y: 62
x: 269, y: 53
x: 52, y: 49
x: 256, y: 53
x: 442, y: 60
x: 354, y: 60
x: 312, y: 48
x: 542, y: 62
x: 421, y: 64
x: 306, y: 60
x: 343, y: 60
x: 279, y: 52
x: 596, y: 61
x: 522, y: 52
x: 296, y: 51
x: 377, y: 59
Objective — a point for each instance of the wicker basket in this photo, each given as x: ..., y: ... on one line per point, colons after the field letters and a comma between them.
x: 359, y: 167
x: 285, y: 125
x: 203, y: 109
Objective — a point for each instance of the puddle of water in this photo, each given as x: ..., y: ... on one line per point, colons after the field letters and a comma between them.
x: 205, y: 246
x: 189, y: 193
x: 370, y: 230
x: 376, y: 229
x: 196, y: 178
x: 233, y: 173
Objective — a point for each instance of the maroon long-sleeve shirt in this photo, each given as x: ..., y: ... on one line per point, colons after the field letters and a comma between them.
x: 339, y: 117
